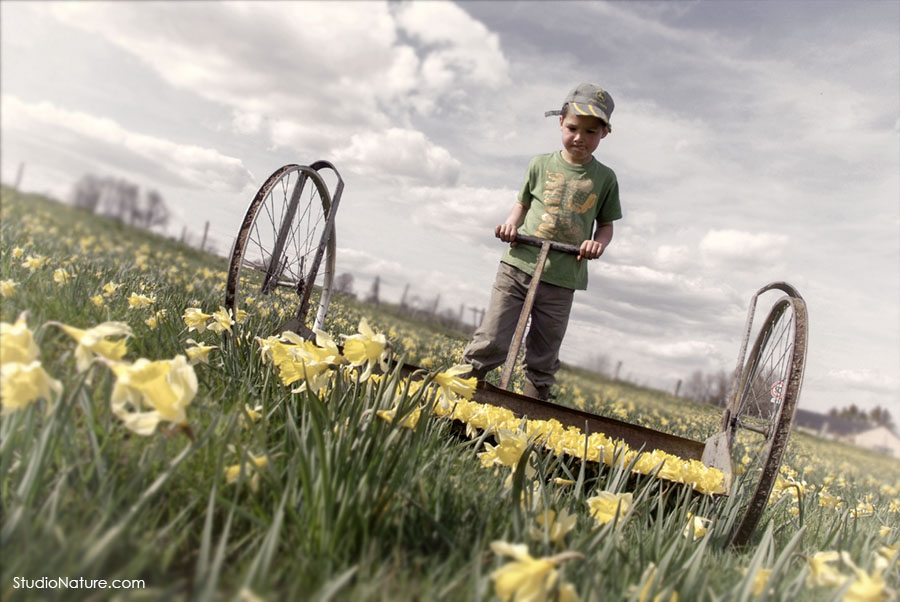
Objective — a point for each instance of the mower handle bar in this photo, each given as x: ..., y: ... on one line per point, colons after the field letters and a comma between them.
x: 556, y: 246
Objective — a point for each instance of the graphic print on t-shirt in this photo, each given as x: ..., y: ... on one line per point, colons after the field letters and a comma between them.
x: 562, y: 200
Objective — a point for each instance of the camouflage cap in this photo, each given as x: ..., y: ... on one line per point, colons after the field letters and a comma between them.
x: 589, y: 99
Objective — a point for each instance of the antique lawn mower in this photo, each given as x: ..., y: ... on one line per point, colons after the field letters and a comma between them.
x: 287, y: 237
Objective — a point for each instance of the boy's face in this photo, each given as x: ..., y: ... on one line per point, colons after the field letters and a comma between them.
x: 580, y: 136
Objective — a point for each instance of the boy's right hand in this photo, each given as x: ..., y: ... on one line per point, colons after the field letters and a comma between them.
x: 507, y: 233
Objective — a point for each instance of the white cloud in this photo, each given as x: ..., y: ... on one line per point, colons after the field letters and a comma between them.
x: 683, y: 351
x: 368, y: 264
x: 674, y: 305
x: 465, y: 212
x: 462, y: 49
x: 246, y: 122
x: 673, y: 257
x: 183, y: 165
x: 313, y: 72
x: 866, y: 379
x: 738, y: 246
x: 399, y: 154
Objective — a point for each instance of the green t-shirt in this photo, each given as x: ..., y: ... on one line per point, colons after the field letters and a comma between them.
x: 564, y: 201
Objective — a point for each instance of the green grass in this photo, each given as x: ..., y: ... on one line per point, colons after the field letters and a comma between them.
x: 350, y: 506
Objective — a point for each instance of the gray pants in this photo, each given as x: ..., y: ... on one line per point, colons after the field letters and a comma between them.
x: 549, y: 318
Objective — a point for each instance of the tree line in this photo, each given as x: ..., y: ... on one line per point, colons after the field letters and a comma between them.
x: 121, y: 200
x: 877, y: 416
x: 713, y: 388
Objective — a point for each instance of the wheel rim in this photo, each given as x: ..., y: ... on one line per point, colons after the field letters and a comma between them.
x: 763, y: 410
x: 282, y: 232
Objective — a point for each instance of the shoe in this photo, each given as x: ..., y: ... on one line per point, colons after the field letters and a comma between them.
x: 480, y: 374
x: 529, y: 390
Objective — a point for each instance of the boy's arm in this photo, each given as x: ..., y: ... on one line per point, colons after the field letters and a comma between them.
x: 508, y: 229
x: 594, y: 247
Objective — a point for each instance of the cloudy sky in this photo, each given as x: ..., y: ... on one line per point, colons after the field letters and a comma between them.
x: 753, y: 142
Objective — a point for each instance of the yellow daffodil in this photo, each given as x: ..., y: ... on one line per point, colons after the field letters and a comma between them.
x: 508, y: 452
x: 642, y: 591
x: 452, y: 385
x: 199, y: 353
x: 109, y: 289
x: 529, y: 579
x: 299, y: 360
x: 599, y: 448
x: 195, y: 319
x: 556, y: 526
x: 98, y: 301
x: 864, y: 508
x: 826, y: 500
x: 886, y: 555
x: 696, y: 527
x: 409, y: 421
x: 367, y: 348
x: 266, y: 346
x: 23, y: 383
x: 607, y: 505
x: 865, y: 587
x: 221, y: 320
x: 137, y: 301
x: 35, y: 262
x: 326, y: 348
x: 153, y: 320
x: 61, y: 276
x: 8, y: 288
x: 17, y: 252
x: 884, y: 531
x: 240, y: 316
x: 165, y: 387
x: 760, y: 580
x: 17, y: 343
x: 252, y: 465
x: 821, y: 572
x: 93, y: 342
x: 252, y: 414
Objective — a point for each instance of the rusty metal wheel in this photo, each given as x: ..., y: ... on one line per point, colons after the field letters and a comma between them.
x: 760, y: 414
x: 287, y: 241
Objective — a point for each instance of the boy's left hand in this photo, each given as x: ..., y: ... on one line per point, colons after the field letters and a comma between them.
x: 590, y: 249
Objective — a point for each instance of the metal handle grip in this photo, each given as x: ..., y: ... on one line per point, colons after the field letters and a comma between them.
x: 556, y: 246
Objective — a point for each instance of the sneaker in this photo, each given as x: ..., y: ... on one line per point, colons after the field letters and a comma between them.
x: 529, y: 390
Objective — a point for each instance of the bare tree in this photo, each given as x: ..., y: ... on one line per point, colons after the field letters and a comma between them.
x: 120, y: 199
x: 344, y: 284
x: 87, y: 192
x: 600, y: 363
x: 707, y: 388
x: 154, y: 212
x: 373, y: 294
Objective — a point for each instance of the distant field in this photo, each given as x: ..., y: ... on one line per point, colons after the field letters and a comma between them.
x: 196, y: 455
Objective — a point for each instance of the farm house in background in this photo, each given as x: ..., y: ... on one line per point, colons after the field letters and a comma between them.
x: 876, y: 438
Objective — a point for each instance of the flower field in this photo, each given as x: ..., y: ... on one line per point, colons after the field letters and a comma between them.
x: 147, y: 433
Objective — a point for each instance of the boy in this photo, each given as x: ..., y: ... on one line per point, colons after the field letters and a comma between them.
x: 564, y: 195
